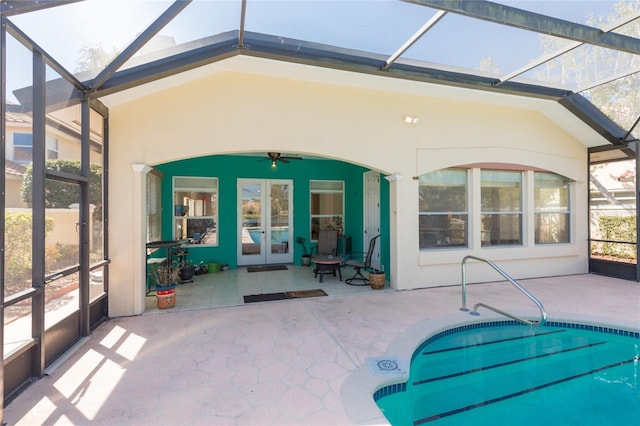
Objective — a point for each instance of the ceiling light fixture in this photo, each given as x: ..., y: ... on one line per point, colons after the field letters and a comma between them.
x: 273, y: 164
x: 410, y: 120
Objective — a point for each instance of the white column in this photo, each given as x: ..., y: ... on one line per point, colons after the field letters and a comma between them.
x: 139, y: 218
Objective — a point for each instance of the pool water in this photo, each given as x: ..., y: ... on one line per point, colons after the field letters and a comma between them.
x: 513, y: 374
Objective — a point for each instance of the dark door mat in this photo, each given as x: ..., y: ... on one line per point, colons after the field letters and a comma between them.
x: 282, y: 296
x: 267, y: 268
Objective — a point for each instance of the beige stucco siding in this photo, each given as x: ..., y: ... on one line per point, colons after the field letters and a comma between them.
x: 235, y: 112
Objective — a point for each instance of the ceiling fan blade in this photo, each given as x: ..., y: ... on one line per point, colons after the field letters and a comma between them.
x: 292, y: 158
x: 284, y: 160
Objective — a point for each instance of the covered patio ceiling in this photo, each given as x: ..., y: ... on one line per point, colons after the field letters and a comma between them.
x: 575, y: 61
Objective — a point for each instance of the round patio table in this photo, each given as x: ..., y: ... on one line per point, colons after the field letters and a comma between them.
x: 327, y: 265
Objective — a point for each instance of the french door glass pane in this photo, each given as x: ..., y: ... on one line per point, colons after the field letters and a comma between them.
x: 279, y: 218
x: 251, y: 218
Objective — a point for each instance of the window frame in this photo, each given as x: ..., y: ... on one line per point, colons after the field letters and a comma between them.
x: 538, y: 212
x: 22, y: 145
x: 528, y: 213
x: 519, y: 212
x: 443, y: 240
x: 213, y: 204
x: 336, y: 220
x: 52, y: 148
x: 154, y: 206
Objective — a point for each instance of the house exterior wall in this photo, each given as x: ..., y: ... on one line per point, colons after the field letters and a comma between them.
x: 232, y: 112
x: 227, y: 168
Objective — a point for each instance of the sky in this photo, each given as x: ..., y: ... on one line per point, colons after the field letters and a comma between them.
x: 378, y: 26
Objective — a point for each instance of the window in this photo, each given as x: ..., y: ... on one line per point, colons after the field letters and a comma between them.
x: 327, y: 206
x: 154, y: 210
x: 52, y: 148
x: 22, y: 147
x: 501, y: 207
x: 552, y: 212
x: 196, y: 209
x: 443, y: 212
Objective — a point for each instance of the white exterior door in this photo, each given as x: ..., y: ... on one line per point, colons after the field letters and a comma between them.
x: 265, y: 221
x: 372, y: 214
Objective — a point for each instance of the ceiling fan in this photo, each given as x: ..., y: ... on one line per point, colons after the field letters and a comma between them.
x: 276, y: 156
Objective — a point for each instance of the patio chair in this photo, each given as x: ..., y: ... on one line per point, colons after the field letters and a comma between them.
x: 360, y: 265
x: 327, y: 242
x: 327, y: 246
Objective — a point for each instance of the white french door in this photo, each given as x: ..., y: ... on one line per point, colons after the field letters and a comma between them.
x: 265, y: 221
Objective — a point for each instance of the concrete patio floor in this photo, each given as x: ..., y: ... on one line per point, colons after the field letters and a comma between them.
x: 272, y: 363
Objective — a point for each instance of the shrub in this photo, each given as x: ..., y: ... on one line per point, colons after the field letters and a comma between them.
x: 18, y: 256
x: 622, y: 229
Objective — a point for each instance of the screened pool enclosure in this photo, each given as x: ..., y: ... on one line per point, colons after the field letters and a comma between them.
x: 63, y: 66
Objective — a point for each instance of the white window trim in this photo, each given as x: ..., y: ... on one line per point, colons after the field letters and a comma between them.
x: 214, y: 217
x: 326, y: 191
x: 504, y: 252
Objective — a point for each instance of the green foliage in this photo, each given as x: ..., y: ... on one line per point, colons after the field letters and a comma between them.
x: 302, y: 241
x: 623, y: 229
x: 62, y: 194
x: 18, y: 256
x: 618, y: 99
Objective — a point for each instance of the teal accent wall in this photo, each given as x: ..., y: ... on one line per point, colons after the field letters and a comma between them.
x: 228, y: 168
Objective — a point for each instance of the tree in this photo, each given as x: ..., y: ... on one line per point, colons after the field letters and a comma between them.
x: 588, y: 65
x: 95, y: 58
x: 61, y: 195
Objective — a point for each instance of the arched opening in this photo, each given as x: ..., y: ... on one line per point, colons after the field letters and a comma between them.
x: 241, y: 209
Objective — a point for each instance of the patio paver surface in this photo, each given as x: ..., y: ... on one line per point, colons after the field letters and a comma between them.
x: 272, y: 363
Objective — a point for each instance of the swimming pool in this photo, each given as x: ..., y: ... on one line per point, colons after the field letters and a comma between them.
x: 505, y: 373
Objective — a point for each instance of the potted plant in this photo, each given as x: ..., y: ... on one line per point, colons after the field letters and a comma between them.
x: 377, y: 278
x: 166, y: 279
x: 306, y: 256
x: 187, y: 271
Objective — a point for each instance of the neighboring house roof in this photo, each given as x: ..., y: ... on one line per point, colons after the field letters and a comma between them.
x: 13, y: 168
x: 12, y: 118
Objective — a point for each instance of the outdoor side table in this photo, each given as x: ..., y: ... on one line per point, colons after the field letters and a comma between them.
x: 327, y: 265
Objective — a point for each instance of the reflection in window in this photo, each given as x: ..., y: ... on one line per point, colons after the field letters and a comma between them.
x: 501, y: 207
x: 196, y: 209
x: 443, y: 212
x: 552, y: 212
x: 327, y: 206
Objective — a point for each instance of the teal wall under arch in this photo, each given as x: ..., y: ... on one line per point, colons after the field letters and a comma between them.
x: 228, y: 168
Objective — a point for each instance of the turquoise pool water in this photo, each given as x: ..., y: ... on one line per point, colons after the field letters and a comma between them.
x: 511, y: 374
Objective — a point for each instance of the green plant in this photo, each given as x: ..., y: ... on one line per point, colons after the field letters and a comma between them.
x: 164, y: 275
x: 302, y: 242
x: 18, y: 234
x: 61, y: 194
x: 621, y: 229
